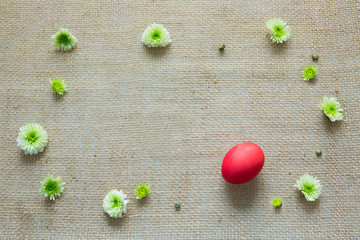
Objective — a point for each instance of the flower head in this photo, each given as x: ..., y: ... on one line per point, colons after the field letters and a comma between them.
x: 331, y: 108
x: 52, y: 187
x: 156, y: 35
x: 64, y: 40
x: 114, y: 203
x: 58, y: 86
x: 221, y: 47
x: 32, y: 138
x: 278, y: 30
x: 309, y: 72
x: 318, y: 152
x: 142, y: 191
x: 309, y: 186
x: 315, y: 57
x: 277, y: 202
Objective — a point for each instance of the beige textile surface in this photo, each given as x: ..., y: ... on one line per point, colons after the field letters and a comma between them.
x: 168, y: 116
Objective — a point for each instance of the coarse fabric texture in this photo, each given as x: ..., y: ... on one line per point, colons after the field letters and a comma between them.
x: 167, y: 117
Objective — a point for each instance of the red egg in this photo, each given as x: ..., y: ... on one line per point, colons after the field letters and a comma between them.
x: 242, y: 163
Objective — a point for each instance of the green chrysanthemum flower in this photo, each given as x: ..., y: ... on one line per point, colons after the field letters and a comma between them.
x: 142, y: 191
x: 32, y: 138
x: 177, y: 205
x: 221, y: 47
x: 64, y: 40
x: 309, y: 186
x: 277, y: 202
x: 315, y: 57
x: 156, y: 35
x: 58, y: 86
x: 114, y: 203
x: 331, y: 108
x: 318, y: 152
x: 279, y: 32
x: 309, y: 72
x: 52, y: 187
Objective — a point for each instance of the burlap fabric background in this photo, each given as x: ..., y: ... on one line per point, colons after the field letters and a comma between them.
x: 168, y: 116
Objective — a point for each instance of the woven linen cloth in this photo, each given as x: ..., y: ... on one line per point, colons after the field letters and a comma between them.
x: 167, y: 117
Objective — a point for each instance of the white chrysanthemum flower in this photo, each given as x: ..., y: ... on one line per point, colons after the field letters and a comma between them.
x: 32, y: 138
x: 309, y: 186
x: 331, y: 108
x: 279, y: 32
x: 156, y: 35
x: 52, y: 187
x: 114, y: 203
x: 64, y: 40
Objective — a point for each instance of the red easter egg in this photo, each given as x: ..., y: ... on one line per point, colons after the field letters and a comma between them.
x: 242, y: 163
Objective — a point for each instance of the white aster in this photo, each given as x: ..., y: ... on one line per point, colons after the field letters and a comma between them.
x: 309, y: 186
x: 52, y: 187
x: 64, y: 40
x: 279, y: 32
x: 114, y: 203
x: 331, y: 108
x: 32, y: 138
x: 156, y: 35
